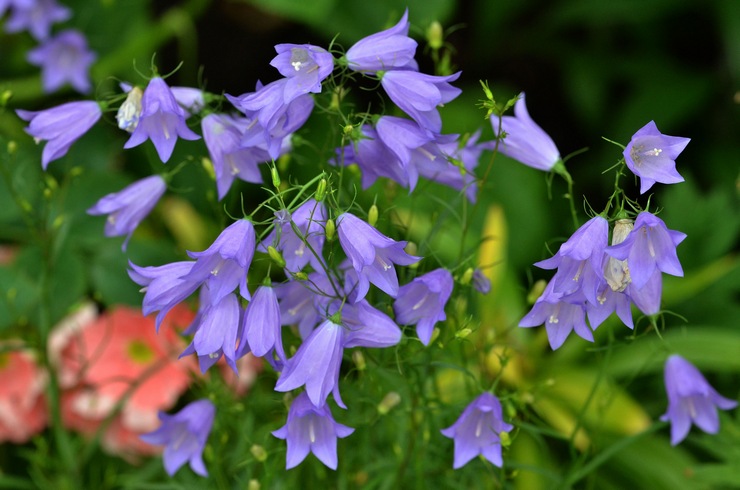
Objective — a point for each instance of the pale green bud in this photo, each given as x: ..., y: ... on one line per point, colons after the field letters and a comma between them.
x: 372, y: 215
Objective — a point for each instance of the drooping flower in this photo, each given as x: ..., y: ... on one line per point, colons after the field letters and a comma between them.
x: 561, y: 314
x: 225, y: 264
x: 422, y: 302
x: 374, y: 158
x: 652, y: 155
x: 316, y: 365
x: 303, y: 303
x: 163, y: 286
x: 649, y: 246
x: 216, y: 329
x: 184, y: 436
x: 129, y: 206
x: 384, y: 50
x: 192, y: 100
x: 366, y: 326
x: 305, y: 66
x: 64, y: 58
x: 481, y: 282
x: 262, y: 325
x: 60, y: 126
x: 477, y: 431
x: 37, y: 17
x: 525, y: 141
x: 419, y: 95
x: 580, y: 260
x: 690, y: 399
x: 23, y: 411
x: 373, y: 255
x: 311, y: 429
x: 162, y: 120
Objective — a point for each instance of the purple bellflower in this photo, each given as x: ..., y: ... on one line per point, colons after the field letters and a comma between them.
x: 310, y: 219
x: 184, y: 436
x: 649, y: 246
x: 373, y: 255
x: 422, y: 302
x: 262, y: 325
x: 216, y: 332
x: 225, y: 264
x: 37, y: 17
x: 419, y: 95
x: 305, y: 66
x: 163, y: 286
x: 311, y: 429
x: 368, y: 327
x: 223, y: 136
x: 316, y: 365
x: 525, y: 141
x: 560, y: 314
x: 691, y: 399
x: 64, y: 58
x: 374, y: 158
x: 303, y: 303
x: 652, y: 155
x: 385, y: 50
x: 60, y: 126
x: 580, y: 260
x: 481, y: 283
x: 162, y: 120
x: 192, y: 100
x: 128, y: 207
x: 477, y: 431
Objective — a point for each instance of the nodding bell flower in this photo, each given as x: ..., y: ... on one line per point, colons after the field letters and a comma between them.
x: 651, y: 155
x: 64, y: 58
x: 384, y: 50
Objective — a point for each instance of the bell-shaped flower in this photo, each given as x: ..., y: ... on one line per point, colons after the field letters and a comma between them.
x: 374, y: 158
x: 524, y: 141
x: 316, y: 365
x: 649, y: 246
x: 652, y: 155
x: 262, y: 326
x: 162, y: 120
x: 60, y: 126
x: 448, y: 161
x: 580, y: 260
x: 384, y: 50
x: 223, y: 136
x: 225, y: 264
x: 419, y: 95
x: 305, y: 66
x: 304, y: 302
x: 128, y: 207
x: 372, y: 254
x: 192, y: 100
x: 36, y: 17
x: 311, y: 429
x: 65, y: 58
x: 478, y: 430
x: 309, y: 218
x: 163, y: 286
x: 691, y: 399
x: 216, y: 332
x: 368, y: 327
x: 422, y: 302
x: 560, y: 315
x: 184, y: 436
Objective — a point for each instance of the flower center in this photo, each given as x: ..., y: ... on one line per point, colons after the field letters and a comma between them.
x: 382, y: 262
x: 140, y: 352
x: 554, y: 316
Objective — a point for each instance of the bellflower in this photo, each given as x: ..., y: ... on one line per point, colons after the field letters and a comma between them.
x: 225, y: 264
x: 128, y: 207
x: 690, y: 399
x: 316, y: 365
x: 309, y: 218
x: 216, y: 332
x: 374, y: 158
x: 60, y: 126
x: 303, y: 303
x: 373, y: 255
x: 481, y: 283
x: 311, y: 429
x: 64, y: 58
x: 129, y: 112
x: 385, y: 50
x: 419, y: 95
x: 368, y: 327
x: 477, y: 431
x: 305, y: 66
x: 223, y: 135
x: 37, y: 17
x: 262, y: 325
x: 434, y: 161
x: 652, y: 155
x: 580, y: 260
x: 422, y: 302
x: 184, y: 436
x: 192, y: 100
x: 163, y: 286
x: 525, y: 141
x: 162, y: 120
x: 560, y: 314
x: 649, y: 246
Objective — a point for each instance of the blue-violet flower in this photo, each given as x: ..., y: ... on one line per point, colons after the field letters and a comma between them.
x: 64, y: 58
x: 652, y: 155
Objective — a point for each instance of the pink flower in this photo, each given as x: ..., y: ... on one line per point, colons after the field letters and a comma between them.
x: 23, y: 410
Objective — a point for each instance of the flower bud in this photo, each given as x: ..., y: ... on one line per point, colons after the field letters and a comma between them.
x: 617, y: 272
x: 321, y: 190
x: 254, y: 485
x: 258, y: 452
x: 435, y: 35
x: 130, y: 111
x: 12, y: 147
x: 372, y: 215
x: 463, y: 333
x: 389, y: 401
x: 359, y: 359
x: 300, y: 276
x: 276, y: 256
x: 207, y: 165
x: 467, y: 276
x: 536, y: 291
x: 275, y: 177
x: 331, y: 229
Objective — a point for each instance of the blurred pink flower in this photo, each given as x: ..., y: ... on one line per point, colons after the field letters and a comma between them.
x: 23, y: 410
x: 116, y: 365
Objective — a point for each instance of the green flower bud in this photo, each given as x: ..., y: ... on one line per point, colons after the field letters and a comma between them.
x: 321, y: 190
x: 372, y: 215
x: 359, y: 359
x: 388, y: 402
x: 467, y: 276
x: 276, y: 256
x: 275, y: 177
x: 536, y: 291
x: 258, y: 452
x: 331, y: 229
x: 435, y: 35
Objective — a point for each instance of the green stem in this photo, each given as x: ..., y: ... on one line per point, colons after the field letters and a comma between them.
x: 559, y: 168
